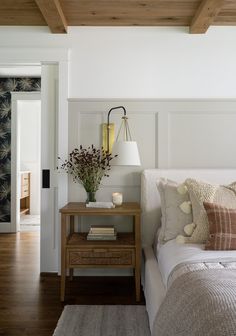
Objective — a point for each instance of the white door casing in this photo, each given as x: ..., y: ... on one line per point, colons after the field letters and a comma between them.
x: 49, y: 207
x: 57, y: 58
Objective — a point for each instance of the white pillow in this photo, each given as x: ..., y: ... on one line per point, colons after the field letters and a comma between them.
x: 200, y: 192
x: 173, y: 218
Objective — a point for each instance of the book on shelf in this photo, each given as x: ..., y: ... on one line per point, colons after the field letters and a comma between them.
x: 101, y: 237
x: 102, y: 233
x: 108, y: 205
x: 100, y: 229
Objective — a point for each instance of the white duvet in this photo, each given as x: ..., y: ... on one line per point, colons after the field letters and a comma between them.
x: 172, y: 254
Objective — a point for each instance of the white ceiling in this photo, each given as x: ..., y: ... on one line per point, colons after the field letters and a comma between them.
x: 20, y: 71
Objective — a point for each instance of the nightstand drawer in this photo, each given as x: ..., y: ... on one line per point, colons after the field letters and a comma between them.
x: 101, y: 256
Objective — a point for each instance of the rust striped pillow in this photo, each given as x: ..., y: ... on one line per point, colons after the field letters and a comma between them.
x: 222, y: 227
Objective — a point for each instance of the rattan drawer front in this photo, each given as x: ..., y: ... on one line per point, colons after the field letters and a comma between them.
x: 98, y: 256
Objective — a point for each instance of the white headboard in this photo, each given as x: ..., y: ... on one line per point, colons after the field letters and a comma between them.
x: 150, y: 200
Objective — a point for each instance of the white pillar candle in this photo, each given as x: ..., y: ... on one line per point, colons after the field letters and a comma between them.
x: 117, y: 198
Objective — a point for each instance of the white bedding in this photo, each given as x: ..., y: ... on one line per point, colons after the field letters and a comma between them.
x: 172, y: 254
x: 154, y: 288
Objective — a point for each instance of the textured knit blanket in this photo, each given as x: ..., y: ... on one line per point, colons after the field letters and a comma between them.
x: 201, y: 301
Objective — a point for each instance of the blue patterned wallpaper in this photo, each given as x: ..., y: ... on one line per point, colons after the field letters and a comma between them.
x: 7, y: 85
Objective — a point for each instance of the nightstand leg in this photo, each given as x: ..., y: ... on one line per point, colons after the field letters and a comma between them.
x: 137, y: 256
x: 63, y: 256
x: 72, y: 221
x: 137, y: 284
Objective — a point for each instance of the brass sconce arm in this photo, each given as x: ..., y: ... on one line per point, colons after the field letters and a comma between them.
x: 108, y: 124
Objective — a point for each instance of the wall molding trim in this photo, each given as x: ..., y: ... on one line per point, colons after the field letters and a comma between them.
x: 164, y: 111
x: 155, y: 100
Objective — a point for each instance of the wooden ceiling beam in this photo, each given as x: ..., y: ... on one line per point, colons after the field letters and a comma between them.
x: 53, y: 15
x: 205, y: 15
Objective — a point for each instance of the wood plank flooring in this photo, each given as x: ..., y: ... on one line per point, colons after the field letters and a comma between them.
x: 29, y: 303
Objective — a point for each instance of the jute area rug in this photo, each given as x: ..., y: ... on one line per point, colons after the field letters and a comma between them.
x: 87, y: 320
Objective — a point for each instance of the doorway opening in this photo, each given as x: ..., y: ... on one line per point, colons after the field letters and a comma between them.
x: 26, y: 161
x: 29, y: 150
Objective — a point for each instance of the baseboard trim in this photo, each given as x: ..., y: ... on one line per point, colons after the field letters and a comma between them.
x: 54, y: 274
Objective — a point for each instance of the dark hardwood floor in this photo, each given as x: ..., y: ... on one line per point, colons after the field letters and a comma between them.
x: 29, y: 303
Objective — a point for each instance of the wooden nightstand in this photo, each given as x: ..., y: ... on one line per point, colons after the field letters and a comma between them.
x: 78, y: 252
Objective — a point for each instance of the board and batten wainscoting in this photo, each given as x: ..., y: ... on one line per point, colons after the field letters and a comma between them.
x: 172, y: 133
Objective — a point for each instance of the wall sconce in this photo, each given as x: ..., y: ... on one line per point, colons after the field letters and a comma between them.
x: 124, y: 147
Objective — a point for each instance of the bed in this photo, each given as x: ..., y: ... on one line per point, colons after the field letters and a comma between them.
x: 155, y: 275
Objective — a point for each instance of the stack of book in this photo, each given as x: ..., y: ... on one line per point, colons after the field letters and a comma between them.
x: 101, y: 232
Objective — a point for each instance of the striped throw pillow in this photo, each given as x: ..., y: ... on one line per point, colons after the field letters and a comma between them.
x: 222, y: 227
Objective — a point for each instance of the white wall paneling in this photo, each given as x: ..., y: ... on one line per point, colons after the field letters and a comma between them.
x: 197, y: 134
x: 202, y: 140
x: 170, y: 134
x: 85, y: 120
x: 181, y: 133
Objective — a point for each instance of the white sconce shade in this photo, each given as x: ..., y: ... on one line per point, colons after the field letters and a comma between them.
x: 128, y: 154
x: 125, y: 149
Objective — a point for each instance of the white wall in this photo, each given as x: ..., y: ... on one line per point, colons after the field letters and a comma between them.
x: 30, y: 143
x: 149, y: 63
x: 140, y: 62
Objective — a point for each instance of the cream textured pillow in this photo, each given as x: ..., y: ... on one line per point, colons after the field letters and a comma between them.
x: 232, y: 187
x: 225, y: 196
x: 200, y: 192
x: 173, y: 218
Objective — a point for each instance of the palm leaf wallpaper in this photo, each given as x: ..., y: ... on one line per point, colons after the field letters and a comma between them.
x: 8, y: 85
